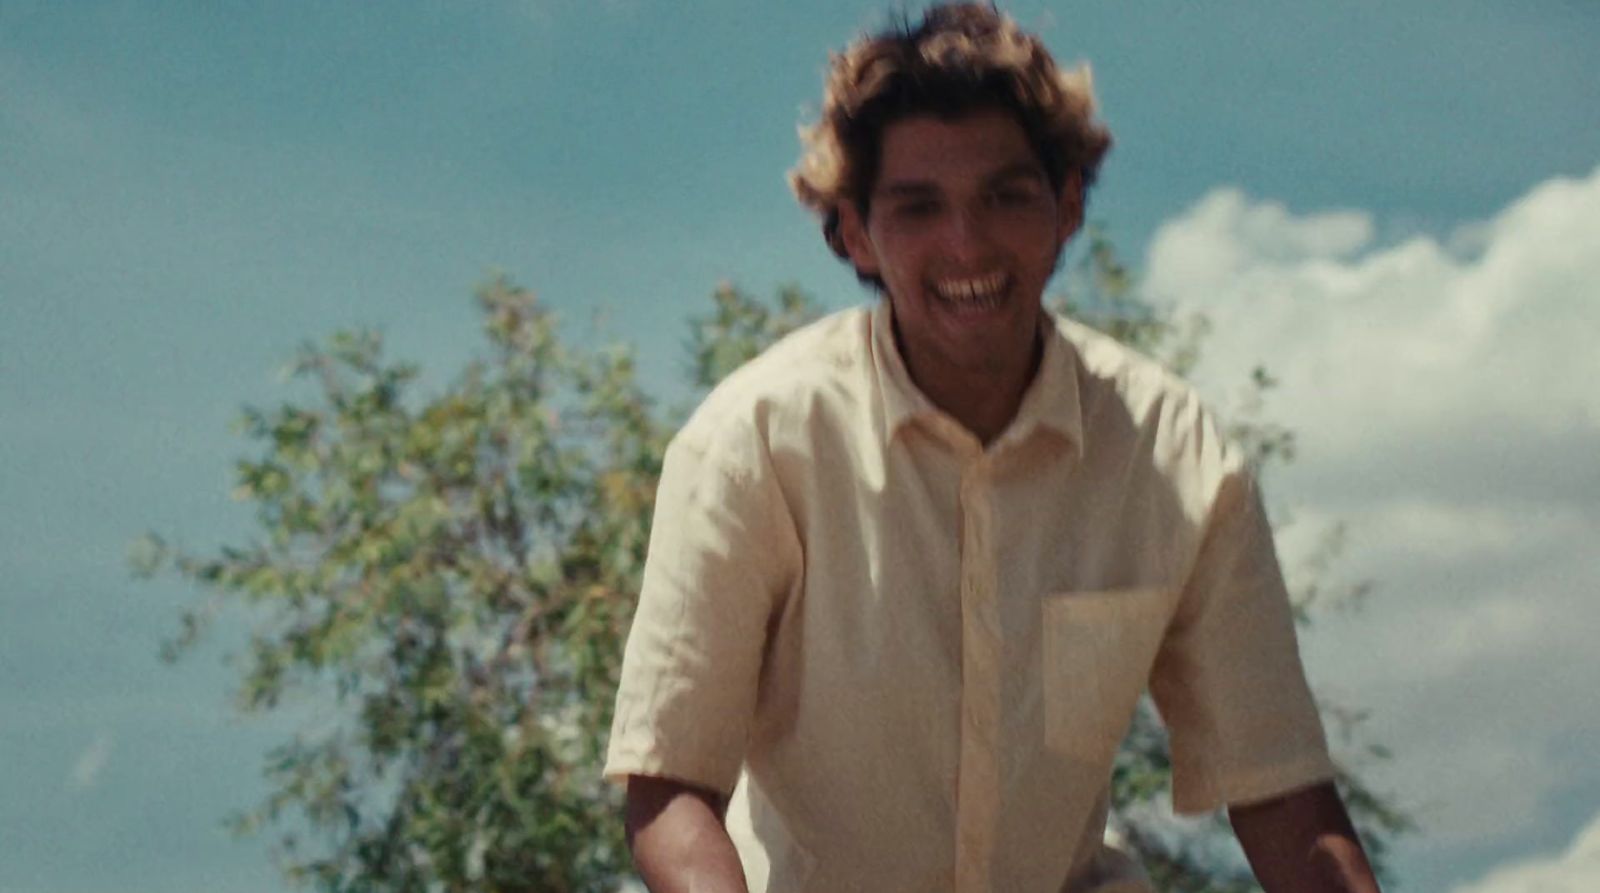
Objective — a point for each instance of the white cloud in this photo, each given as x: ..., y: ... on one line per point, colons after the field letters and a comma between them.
x: 1575, y: 871
x: 1384, y: 345
x: 90, y: 763
x: 1444, y: 393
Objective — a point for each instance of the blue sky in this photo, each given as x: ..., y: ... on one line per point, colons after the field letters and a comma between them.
x: 1394, y: 204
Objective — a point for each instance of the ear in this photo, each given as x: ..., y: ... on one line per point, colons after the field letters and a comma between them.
x: 1069, y: 208
x: 853, y: 232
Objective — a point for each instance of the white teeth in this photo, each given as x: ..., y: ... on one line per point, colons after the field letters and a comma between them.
x: 978, y: 291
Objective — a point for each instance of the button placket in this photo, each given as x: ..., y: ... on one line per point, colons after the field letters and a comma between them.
x: 978, y: 780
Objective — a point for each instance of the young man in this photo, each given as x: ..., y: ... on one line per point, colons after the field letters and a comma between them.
x: 912, y: 568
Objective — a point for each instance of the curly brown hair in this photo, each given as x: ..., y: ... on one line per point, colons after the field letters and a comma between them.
x: 962, y: 57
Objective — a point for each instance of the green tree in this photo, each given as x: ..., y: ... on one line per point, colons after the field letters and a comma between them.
x: 451, y: 579
x: 454, y: 576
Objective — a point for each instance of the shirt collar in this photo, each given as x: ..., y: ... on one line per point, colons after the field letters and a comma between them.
x: 1051, y: 401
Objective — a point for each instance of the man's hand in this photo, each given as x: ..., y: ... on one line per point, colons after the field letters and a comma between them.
x: 1303, y: 842
x: 678, y: 841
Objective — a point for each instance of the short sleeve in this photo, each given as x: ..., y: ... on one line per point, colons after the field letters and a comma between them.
x: 1228, y: 679
x: 723, y: 554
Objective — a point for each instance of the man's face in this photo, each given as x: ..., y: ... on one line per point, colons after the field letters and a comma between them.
x: 964, y: 230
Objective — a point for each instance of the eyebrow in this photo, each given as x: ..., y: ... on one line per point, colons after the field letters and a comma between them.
x: 1017, y: 170
x: 906, y: 189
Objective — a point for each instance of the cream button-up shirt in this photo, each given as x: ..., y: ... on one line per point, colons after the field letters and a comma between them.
x: 911, y: 658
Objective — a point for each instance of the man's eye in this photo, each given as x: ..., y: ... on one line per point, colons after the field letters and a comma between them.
x: 917, y: 209
x: 1015, y: 197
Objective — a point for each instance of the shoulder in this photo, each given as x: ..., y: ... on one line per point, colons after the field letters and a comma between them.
x: 1133, y: 404
x: 826, y: 361
x: 1109, y: 369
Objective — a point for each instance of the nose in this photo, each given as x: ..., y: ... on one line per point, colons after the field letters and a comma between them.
x: 966, y: 234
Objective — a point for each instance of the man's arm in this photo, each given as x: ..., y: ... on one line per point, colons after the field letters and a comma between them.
x: 679, y: 844
x: 1303, y: 842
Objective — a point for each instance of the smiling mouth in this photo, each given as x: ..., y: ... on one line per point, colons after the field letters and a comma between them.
x: 973, y: 294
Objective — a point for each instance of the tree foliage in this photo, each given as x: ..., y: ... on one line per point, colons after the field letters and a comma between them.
x: 450, y: 581
x: 454, y: 577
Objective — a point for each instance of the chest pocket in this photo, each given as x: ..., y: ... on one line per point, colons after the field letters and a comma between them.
x: 1097, y: 650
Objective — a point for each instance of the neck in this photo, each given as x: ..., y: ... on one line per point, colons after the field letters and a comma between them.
x: 984, y: 399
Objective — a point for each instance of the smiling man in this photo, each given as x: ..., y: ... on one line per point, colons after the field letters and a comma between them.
x: 913, y: 567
